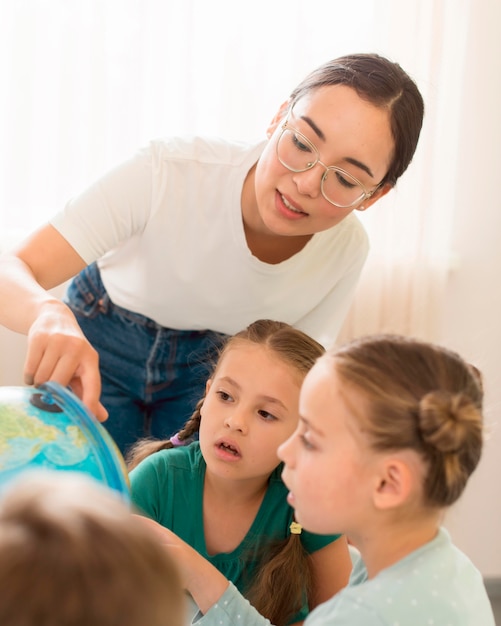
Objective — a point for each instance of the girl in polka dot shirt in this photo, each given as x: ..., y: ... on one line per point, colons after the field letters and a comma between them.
x: 389, y: 433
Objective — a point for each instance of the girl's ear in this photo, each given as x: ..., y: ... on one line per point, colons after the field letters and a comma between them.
x: 279, y: 116
x: 395, y: 484
x: 207, y: 387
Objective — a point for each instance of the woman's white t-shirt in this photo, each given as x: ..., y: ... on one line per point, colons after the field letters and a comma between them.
x: 166, y: 229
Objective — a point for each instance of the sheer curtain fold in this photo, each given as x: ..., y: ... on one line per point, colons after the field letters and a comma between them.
x: 87, y: 82
x: 402, y: 288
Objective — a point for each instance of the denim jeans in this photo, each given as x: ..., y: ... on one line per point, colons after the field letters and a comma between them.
x: 152, y: 377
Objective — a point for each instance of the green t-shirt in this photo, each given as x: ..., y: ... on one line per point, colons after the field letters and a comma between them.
x: 168, y: 487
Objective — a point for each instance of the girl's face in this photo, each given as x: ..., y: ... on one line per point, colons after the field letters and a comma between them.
x: 329, y: 467
x: 250, y: 408
x: 348, y: 132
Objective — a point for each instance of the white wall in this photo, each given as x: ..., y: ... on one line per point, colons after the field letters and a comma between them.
x: 472, y: 318
x: 12, y: 352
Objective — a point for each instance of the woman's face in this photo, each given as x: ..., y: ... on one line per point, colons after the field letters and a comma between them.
x: 348, y: 132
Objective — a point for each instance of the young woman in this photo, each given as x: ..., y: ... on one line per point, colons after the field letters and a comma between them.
x: 389, y: 433
x: 223, y: 494
x: 192, y: 239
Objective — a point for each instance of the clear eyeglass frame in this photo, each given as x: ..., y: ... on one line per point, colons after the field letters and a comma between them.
x: 364, y: 194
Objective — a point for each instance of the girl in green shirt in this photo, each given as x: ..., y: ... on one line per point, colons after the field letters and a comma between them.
x: 223, y: 494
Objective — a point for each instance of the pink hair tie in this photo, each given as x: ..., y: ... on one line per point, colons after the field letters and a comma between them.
x: 175, y: 441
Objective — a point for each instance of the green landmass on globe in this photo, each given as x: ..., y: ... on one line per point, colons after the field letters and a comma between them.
x: 49, y: 427
x: 23, y: 437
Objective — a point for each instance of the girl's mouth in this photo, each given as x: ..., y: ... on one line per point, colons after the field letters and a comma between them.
x: 229, y: 448
x: 227, y: 451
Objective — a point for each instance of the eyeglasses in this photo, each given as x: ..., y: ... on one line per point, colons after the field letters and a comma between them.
x: 298, y: 154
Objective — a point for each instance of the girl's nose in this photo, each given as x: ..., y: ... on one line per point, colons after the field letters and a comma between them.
x: 235, y: 420
x: 286, y: 450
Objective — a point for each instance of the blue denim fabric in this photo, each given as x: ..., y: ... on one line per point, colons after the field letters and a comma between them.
x: 152, y: 377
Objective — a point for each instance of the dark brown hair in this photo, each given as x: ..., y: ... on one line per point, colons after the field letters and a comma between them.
x: 384, y: 84
x: 420, y: 396
x: 278, y: 591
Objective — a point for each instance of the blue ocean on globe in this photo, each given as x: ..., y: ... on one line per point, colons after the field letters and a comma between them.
x: 49, y: 427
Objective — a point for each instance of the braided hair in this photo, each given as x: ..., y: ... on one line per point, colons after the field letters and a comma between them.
x: 283, y: 581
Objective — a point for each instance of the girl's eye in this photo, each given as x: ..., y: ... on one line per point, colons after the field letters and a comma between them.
x: 267, y: 416
x: 305, y: 442
x: 225, y: 397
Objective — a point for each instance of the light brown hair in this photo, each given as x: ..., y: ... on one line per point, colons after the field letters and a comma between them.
x: 72, y: 554
x: 278, y: 591
x: 423, y: 397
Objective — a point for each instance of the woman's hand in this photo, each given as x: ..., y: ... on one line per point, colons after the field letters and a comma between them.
x: 57, y: 348
x: 59, y: 351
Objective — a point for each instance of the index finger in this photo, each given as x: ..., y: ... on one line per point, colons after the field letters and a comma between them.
x: 89, y: 398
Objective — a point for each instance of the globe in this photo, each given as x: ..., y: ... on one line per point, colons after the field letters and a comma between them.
x: 49, y: 427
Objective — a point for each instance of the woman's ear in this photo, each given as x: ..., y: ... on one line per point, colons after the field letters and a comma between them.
x: 379, y: 194
x: 279, y: 116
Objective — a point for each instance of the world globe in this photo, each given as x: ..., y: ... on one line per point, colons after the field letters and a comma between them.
x: 49, y: 427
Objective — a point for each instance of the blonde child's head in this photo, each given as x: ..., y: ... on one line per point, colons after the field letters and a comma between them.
x: 422, y: 397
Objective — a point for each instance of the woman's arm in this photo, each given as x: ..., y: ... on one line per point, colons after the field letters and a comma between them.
x: 57, y: 348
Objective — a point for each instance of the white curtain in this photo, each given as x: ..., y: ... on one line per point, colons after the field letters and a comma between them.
x: 86, y: 82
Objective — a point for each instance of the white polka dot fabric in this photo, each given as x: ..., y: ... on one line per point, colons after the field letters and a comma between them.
x: 436, y: 585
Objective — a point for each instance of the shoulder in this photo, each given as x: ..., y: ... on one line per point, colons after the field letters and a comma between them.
x: 349, y: 233
x: 436, y: 583
x: 202, y: 150
x: 345, y: 609
x: 183, y: 458
x: 167, y: 481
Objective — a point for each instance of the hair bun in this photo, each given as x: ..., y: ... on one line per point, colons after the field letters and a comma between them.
x: 446, y: 420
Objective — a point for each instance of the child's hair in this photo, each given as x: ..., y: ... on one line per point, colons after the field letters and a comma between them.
x: 291, y: 345
x: 72, y: 554
x: 423, y: 397
x: 278, y: 590
x: 384, y: 84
